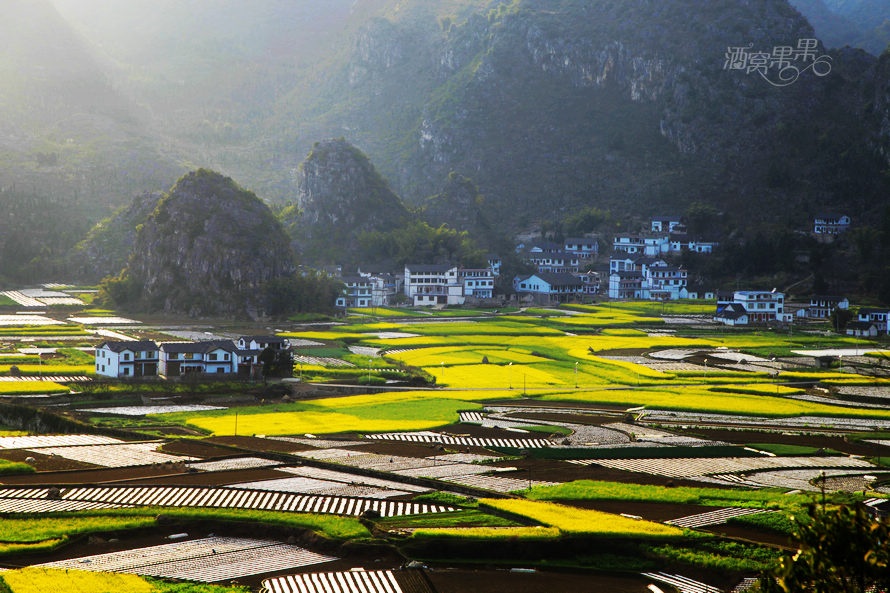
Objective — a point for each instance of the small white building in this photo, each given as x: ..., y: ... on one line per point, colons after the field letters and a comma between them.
x: 127, y: 359
x: 831, y: 224
x: 667, y: 224
x: 878, y: 316
x: 263, y: 342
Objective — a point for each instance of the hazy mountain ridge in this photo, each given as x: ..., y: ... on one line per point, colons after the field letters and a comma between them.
x: 624, y: 106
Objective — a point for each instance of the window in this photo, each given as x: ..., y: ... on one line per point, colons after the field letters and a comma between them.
x: 126, y: 356
x: 211, y: 356
x: 125, y: 371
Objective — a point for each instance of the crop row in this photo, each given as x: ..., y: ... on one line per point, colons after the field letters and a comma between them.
x: 61, y: 440
x: 371, y: 581
x: 434, y: 437
x: 182, y: 496
x: 210, y: 559
x: 696, y: 467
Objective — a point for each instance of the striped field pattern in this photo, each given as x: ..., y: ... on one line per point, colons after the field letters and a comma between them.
x: 691, y: 467
x: 716, y: 517
x: 55, y: 440
x: 22, y: 500
x: 49, y: 378
x: 436, y: 438
x: 206, y: 560
x: 681, y: 583
x: 371, y: 581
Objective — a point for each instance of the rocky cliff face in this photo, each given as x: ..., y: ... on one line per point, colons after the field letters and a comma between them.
x: 627, y: 106
x: 207, y: 250
x: 340, y: 197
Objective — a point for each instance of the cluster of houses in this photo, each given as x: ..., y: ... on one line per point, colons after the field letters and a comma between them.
x: 145, y: 358
x: 640, y: 266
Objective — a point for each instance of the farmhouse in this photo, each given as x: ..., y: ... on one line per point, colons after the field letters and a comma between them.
x: 645, y: 278
x: 127, y: 359
x: 830, y: 224
x: 877, y: 316
x: 357, y: 292
x: 822, y: 306
x: 548, y: 288
x: 668, y: 224
x: 862, y: 329
x: 263, y: 342
x: 218, y: 357
x: 428, y: 285
x: 751, y: 306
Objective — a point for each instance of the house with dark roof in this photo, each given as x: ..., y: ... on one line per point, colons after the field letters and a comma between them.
x: 127, y: 359
x: 213, y: 357
x: 549, y: 287
x: 879, y: 316
x: 263, y: 342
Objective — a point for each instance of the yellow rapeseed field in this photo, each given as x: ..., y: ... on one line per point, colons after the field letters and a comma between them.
x: 49, y: 580
x: 574, y: 520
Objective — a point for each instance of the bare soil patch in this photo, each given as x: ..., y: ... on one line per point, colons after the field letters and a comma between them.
x: 456, y: 580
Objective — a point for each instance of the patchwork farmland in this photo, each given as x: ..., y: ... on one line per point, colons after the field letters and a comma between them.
x: 628, y: 429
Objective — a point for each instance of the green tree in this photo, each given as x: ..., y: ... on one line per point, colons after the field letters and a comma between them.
x: 842, y: 550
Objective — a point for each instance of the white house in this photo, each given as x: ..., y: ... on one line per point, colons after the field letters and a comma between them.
x: 357, y: 292
x: 581, y: 247
x: 732, y: 314
x: 263, y: 342
x: 477, y: 282
x: 862, y: 329
x: 759, y: 306
x: 557, y: 262
x: 127, y: 359
x: 651, y: 244
x: 215, y: 357
x: 427, y: 285
x: 549, y: 287
x: 646, y: 278
x: 877, y: 316
x: 822, y: 306
x: 668, y: 224
x: 831, y: 224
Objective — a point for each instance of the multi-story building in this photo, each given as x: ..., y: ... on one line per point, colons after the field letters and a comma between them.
x: 648, y: 278
x: 582, y: 247
x: 127, y: 359
x: 428, y: 285
x: 878, y: 316
x: 211, y: 357
x: 759, y: 306
x: 477, y: 282
x: 822, y: 306
x: 651, y: 244
x: 358, y: 291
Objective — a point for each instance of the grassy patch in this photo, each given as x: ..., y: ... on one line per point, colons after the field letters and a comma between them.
x: 364, y: 413
x: 600, y: 490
